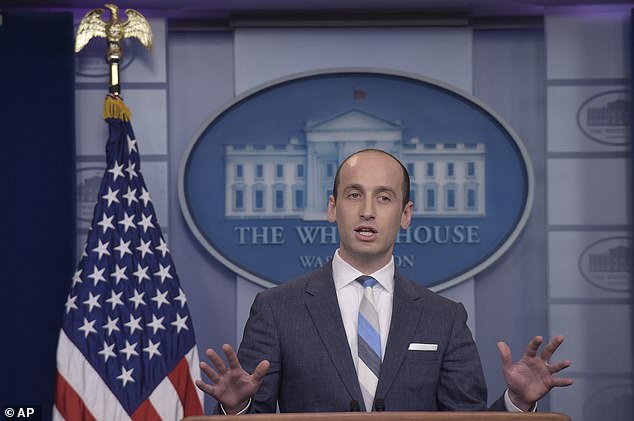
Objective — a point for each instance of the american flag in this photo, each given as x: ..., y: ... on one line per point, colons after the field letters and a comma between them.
x: 126, y: 348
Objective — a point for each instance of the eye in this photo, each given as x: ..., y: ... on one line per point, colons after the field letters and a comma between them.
x: 384, y: 198
x: 353, y: 195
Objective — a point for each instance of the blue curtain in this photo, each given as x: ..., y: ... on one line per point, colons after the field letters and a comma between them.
x: 37, y: 143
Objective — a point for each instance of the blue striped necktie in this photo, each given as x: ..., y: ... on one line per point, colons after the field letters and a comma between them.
x: 369, y: 342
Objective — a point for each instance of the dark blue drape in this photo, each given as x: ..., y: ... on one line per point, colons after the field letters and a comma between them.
x: 37, y: 145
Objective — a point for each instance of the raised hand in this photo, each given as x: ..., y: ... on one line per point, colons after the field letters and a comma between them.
x: 530, y: 378
x: 231, y: 386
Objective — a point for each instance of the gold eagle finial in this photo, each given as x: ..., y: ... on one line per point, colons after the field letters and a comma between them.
x: 93, y: 26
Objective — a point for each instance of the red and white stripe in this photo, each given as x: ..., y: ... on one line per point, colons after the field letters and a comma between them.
x: 81, y: 394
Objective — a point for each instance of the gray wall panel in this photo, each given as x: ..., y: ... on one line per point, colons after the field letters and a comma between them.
x: 511, y: 296
x: 200, y: 75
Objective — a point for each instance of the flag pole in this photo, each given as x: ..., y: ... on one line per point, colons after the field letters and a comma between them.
x: 114, y: 30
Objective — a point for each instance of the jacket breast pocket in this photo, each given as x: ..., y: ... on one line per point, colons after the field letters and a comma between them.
x: 421, y: 369
x: 423, y: 353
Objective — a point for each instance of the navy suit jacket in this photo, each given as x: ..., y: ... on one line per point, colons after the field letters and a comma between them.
x: 298, y: 328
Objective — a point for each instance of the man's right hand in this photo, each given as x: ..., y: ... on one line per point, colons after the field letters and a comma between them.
x: 231, y: 386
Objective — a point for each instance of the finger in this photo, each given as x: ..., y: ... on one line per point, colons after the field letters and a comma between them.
x: 209, y: 372
x: 207, y: 388
x: 551, y: 347
x: 558, y: 366
x: 232, y: 358
x: 505, y: 354
x: 216, y: 361
x: 533, y: 346
x: 561, y: 382
x: 261, y: 370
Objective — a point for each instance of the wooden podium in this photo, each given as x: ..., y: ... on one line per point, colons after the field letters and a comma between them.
x: 391, y: 416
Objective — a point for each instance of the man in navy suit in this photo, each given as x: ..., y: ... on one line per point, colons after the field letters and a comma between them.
x: 301, y: 342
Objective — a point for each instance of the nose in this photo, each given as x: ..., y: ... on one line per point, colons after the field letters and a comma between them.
x: 367, y: 208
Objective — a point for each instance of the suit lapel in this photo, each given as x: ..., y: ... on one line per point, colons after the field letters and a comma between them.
x: 323, y: 307
x: 406, y: 313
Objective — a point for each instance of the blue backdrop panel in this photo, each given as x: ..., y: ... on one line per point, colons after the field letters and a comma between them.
x: 38, y: 223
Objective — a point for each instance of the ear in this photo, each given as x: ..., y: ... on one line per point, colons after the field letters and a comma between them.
x: 332, y: 209
x: 406, y: 217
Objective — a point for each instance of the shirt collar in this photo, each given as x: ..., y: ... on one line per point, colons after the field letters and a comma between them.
x: 344, y: 273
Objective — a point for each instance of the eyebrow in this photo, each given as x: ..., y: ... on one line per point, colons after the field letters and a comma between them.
x: 352, y: 187
x: 378, y: 189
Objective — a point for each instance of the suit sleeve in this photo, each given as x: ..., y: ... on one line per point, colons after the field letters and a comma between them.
x: 260, y: 342
x: 462, y: 386
x: 499, y: 404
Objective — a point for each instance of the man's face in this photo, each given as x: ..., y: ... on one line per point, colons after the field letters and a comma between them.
x: 369, y: 209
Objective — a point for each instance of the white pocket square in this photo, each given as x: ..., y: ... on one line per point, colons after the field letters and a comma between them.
x: 422, y: 347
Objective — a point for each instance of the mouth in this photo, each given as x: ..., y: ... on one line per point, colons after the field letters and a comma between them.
x: 366, y: 232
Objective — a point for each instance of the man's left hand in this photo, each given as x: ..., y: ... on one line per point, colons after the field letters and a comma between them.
x: 530, y: 378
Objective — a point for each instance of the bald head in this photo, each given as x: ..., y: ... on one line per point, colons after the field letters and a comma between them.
x: 359, y: 154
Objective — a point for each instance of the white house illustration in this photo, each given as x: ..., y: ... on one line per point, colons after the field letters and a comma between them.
x: 294, y: 179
